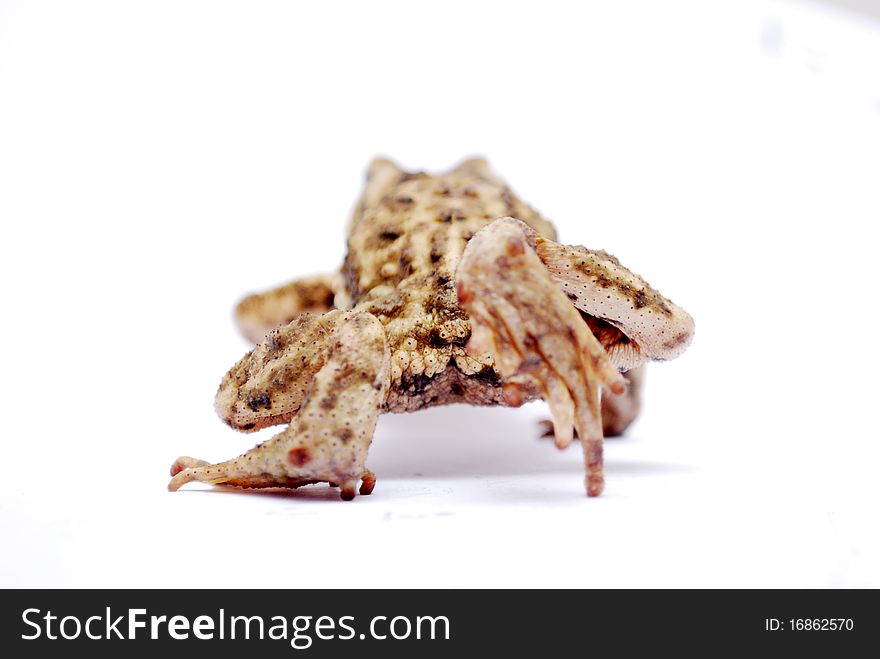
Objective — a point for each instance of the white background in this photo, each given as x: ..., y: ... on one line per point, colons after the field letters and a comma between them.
x: 160, y: 159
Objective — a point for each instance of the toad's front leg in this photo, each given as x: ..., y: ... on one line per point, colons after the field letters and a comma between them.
x: 618, y: 411
x: 564, y: 319
x: 331, y: 375
x: 524, y: 321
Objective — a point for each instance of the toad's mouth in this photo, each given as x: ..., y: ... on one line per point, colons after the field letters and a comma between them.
x: 624, y: 352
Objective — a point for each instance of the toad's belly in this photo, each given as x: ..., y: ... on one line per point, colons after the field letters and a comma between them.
x: 413, y: 393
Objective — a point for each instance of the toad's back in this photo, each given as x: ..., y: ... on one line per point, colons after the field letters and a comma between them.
x: 405, y: 241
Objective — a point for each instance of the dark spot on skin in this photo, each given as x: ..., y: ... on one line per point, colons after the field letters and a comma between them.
x: 405, y: 266
x: 345, y: 436
x: 452, y: 215
x: 328, y: 403
x: 351, y: 274
x: 457, y: 389
x: 442, y: 191
x: 389, y: 235
x: 677, y: 341
x: 487, y: 376
x: 443, y: 280
x: 249, y: 426
x: 388, y: 305
x: 400, y: 204
x: 435, y: 340
x: 603, y: 281
x: 415, y: 384
x: 514, y: 247
x: 438, y: 244
x: 640, y: 300
x: 256, y: 402
x: 410, y: 176
x: 572, y: 297
x: 298, y: 457
x: 345, y: 373
x: 272, y: 341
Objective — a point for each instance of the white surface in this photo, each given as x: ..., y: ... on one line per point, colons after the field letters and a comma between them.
x: 158, y: 160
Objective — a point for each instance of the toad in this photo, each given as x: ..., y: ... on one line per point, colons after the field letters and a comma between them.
x: 453, y: 290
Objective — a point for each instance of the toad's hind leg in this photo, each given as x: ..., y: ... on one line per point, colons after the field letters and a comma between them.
x: 260, y: 313
x: 522, y: 318
x: 328, y: 439
x: 618, y: 412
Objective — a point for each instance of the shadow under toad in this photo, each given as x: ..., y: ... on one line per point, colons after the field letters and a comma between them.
x: 460, y: 441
